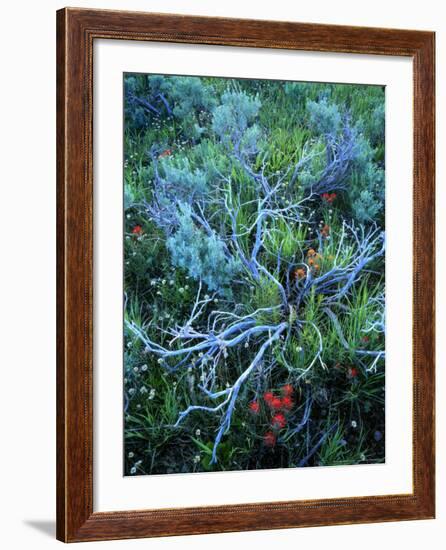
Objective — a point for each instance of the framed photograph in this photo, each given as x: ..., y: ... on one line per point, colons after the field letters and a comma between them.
x: 245, y: 275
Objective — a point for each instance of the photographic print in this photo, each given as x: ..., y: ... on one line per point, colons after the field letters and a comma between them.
x: 254, y: 274
x: 227, y: 193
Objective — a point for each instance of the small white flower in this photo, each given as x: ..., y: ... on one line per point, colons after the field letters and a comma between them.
x: 138, y: 406
x: 198, y: 432
x: 131, y: 454
x: 133, y: 470
x: 181, y: 290
x: 187, y: 287
x: 163, y: 282
x: 135, y: 369
x: 354, y: 424
x: 143, y: 389
x: 132, y: 391
x: 197, y: 459
x: 160, y: 360
x: 206, y: 297
x: 171, y: 282
x: 144, y: 368
x: 200, y: 354
x: 153, y: 282
x: 246, y: 345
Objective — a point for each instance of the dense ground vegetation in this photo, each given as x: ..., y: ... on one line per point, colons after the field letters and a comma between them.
x: 254, y: 274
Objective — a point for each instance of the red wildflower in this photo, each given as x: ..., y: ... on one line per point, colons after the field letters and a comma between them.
x: 276, y: 403
x: 329, y: 197
x: 137, y: 230
x: 353, y: 372
x: 325, y: 230
x: 287, y: 403
x: 254, y: 407
x: 278, y: 421
x: 165, y: 153
x: 365, y: 339
x: 269, y: 439
x: 268, y: 397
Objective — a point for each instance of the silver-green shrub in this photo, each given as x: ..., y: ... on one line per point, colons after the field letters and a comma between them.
x: 202, y: 255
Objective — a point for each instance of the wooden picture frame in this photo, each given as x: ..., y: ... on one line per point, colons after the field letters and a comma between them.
x: 76, y: 31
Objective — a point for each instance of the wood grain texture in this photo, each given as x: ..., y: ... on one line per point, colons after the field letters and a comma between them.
x: 76, y: 31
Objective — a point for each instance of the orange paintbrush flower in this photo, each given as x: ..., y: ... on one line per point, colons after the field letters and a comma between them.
x: 269, y: 439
